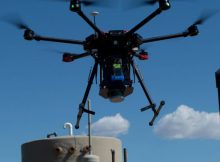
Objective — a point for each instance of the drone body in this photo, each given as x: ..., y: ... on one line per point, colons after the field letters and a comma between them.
x: 114, y: 54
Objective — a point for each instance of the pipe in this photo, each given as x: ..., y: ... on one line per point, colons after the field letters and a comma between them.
x: 113, y: 155
x: 125, y: 155
x: 70, y: 126
x: 89, y: 127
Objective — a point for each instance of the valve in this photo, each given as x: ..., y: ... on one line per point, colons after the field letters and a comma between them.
x: 72, y: 150
x: 85, y: 150
x: 59, y: 150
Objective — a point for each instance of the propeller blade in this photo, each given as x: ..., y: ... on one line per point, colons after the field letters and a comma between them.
x: 69, y: 57
x: 54, y: 51
x: 103, y: 3
x: 16, y: 21
x: 151, y: 2
x: 140, y: 3
x: 204, y: 17
x: 21, y: 25
x: 87, y: 2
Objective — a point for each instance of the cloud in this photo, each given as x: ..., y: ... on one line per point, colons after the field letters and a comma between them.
x: 111, y: 126
x: 187, y: 123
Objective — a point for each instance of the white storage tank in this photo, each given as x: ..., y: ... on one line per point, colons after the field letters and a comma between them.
x: 72, y: 149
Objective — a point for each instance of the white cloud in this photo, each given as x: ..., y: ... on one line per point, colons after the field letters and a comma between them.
x: 111, y: 126
x: 187, y: 123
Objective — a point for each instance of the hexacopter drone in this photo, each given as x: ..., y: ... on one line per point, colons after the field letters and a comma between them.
x: 114, y: 53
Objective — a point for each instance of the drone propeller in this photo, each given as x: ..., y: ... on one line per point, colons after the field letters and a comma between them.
x: 151, y: 2
x: 193, y: 29
x: 69, y: 57
x: 204, y: 17
x: 86, y: 2
x: 139, y: 3
x: 20, y: 25
x: 15, y: 21
x: 89, y: 3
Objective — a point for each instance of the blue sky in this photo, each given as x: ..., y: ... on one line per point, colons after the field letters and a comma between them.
x: 39, y: 93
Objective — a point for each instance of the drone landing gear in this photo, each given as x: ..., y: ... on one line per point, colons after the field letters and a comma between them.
x: 156, y: 111
x: 82, y: 108
x: 152, y: 106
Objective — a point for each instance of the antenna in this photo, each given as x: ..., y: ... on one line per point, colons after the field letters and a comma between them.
x: 94, y: 14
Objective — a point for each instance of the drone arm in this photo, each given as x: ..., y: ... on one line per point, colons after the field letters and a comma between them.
x: 69, y: 57
x: 143, y: 22
x: 81, y: 14
x: 163, y: 5
x: 30, y: 35
x: 159, y: 38
x: 82, y: 105
x: 40, y: 38
x: 82, y: 55
x: 191, y: 31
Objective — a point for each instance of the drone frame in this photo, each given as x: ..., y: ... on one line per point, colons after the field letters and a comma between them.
x: 163, y: 5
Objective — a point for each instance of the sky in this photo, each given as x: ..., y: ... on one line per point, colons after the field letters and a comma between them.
x: 39, y: 92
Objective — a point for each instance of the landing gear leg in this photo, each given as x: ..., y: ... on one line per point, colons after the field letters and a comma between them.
x: 82, y: 108
x: 152, y: 105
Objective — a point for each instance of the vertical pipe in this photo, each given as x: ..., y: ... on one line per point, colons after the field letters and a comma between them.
x: 217, y: 78
x: 219, y: 101
x: 113, y: 155
x: 70, y: 126
x: 89, y: 127
x: 125, y: 155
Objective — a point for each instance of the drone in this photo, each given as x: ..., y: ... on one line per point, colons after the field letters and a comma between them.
x: 113, y: 53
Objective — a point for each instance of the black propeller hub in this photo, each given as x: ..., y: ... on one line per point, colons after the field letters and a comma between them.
x: 75, y: 6
x: 164, y: 4
x: 193, y: 30
x: 29, y: 34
